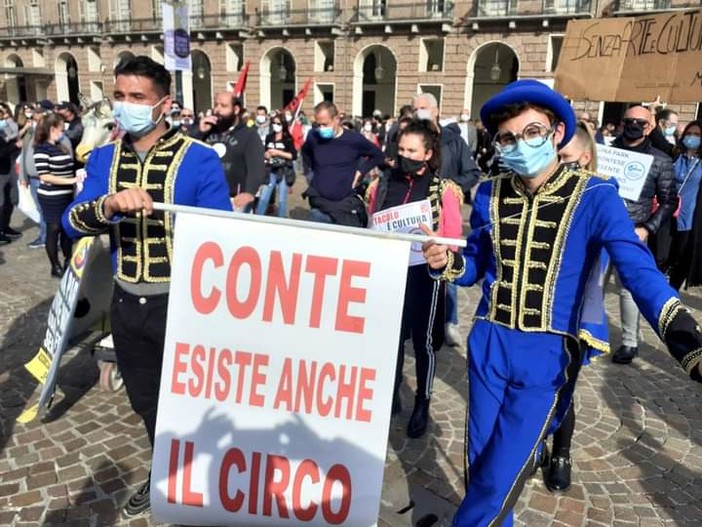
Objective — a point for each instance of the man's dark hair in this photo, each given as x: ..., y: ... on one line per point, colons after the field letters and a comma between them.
x: 513, y: 110
x: 259, y: 108
x: 143, y: 66
x: 664, y: 115
x: 329, y: 107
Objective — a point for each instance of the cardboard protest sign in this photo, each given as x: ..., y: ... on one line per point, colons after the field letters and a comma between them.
x: 405, y: 218
x: 628, y: 168
x: 278, y: 374
x: 633, y: 59
x: 88, y: 277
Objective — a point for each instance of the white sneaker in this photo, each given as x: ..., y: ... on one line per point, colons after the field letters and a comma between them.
x: 452, y: 335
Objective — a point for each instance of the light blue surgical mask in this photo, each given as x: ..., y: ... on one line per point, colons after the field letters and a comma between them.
x: 136, y: 119
x: 670, y: 130
x: 3, y: 123
x: 326, y: 132
x: 529, y: 161
x: 692, y: 142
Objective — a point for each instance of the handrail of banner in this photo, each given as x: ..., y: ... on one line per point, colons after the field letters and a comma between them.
x: 418, y: 238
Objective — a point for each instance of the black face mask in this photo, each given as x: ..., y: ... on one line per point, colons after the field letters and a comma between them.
x: 409, y: 166
x: 632, y: 131
x: 224, y: 124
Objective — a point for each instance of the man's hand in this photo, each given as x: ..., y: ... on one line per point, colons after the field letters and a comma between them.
x: 240, y: 201
x: 206, y: 123
x: 436, y: 255
x: 357, y: 179
x: 642, y: 233
x: 128, y: 201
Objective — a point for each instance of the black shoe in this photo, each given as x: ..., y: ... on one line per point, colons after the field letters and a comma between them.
x: 541, y: 460
x: 12, y: 233
x: 141, y: 501
x: 396, y: 404
x: 625, y: 354
x: 4, y: 240
x: 420, y: 416
x: 558, y: 478
x: 56, y: 271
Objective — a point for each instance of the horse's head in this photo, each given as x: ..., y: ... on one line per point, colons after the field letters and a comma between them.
x: 98, y: 128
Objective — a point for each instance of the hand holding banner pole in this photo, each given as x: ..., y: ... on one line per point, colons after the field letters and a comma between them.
x: 414, y: 238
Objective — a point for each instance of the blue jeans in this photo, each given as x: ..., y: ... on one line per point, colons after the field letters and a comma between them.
x: 451, y: 303
x: 265, y: 198
x: 34, y: 187
x: 319, y: 216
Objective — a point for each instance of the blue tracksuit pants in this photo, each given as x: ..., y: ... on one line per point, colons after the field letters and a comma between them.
x: 517, y: 384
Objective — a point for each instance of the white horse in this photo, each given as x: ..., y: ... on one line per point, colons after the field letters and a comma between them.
x: 99, y: 126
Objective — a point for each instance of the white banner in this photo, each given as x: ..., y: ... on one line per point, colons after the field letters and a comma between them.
x: 176, y: 35
x: 278, y: 374
x: 405, y: 218
x: 628, y: 168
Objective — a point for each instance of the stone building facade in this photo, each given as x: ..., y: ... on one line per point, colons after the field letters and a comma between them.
x: 362, y: 54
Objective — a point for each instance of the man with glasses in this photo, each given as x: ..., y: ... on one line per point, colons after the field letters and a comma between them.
x: 537, y: 232
x: 660, y: 184
x: 187, y: 118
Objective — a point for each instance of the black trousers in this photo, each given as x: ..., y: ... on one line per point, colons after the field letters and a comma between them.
x: 139, y: 332
x: 680, y: 258
x: 423, y: 321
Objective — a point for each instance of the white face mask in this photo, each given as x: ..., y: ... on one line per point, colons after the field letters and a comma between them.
x: 465, y: 117
x: 368, y: 127
x: 423, y: 114
x: 277, y: 128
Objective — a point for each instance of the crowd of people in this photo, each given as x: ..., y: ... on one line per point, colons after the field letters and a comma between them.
x: 528, y: 148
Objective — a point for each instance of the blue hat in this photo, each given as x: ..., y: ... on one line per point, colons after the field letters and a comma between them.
x: 535, y: 92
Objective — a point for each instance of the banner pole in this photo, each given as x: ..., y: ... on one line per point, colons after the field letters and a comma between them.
x: 415, y: 238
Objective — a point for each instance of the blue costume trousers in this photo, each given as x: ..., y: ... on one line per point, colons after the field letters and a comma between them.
x: 516, y: 385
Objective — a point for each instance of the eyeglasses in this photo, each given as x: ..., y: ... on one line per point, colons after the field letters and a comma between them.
x: 186, y: 116
x: 641, y: 122
x: 534, y: 135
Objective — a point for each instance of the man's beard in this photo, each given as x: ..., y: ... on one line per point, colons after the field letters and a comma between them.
x: 224, y: 124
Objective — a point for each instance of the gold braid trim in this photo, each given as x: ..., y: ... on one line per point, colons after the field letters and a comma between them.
x: 691, y: 360
x: 451, y: 274
x: 100, y: 210
x: 668, y: 313
x: 594, y: 343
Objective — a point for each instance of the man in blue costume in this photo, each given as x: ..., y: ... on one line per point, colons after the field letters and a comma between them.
x: 537, y: 232
x: 152, y: 163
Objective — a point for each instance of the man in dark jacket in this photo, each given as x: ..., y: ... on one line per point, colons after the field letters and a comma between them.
x: 458, y: 165
x: 70, y: 114
x: 239, y: 148
x: 660, y: 184
x: 663, y: 135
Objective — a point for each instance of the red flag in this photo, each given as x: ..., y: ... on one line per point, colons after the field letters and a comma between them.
x: 296, y: 103
x: 241, y: 81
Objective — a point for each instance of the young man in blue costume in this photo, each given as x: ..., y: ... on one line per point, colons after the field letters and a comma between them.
x: 153, y: 162
x: 537, y: 231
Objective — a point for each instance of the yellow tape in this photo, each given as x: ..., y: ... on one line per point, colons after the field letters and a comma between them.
x: 39, y: 365
x: 29, y: 414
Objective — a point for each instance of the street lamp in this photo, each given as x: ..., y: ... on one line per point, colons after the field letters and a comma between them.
x: 201, y: 73
x: 379, y: 70
x: 496, y: 70
x: 72, y: 72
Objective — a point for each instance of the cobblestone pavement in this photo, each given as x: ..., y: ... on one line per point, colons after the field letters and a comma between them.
x: 637, y: 456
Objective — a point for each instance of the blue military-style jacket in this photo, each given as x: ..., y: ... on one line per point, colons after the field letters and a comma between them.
x: 178, y: 170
